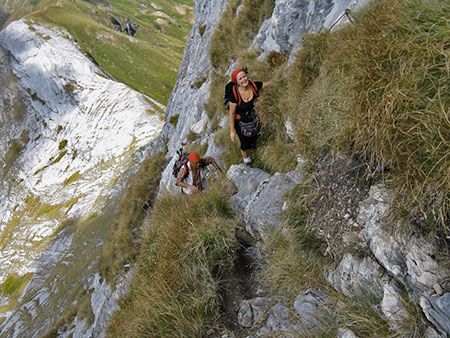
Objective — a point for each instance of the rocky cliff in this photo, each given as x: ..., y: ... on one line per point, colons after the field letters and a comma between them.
x: 392, y: 267
x: 70, y: 136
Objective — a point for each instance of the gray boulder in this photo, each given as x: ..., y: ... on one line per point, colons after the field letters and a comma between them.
x: 407, y: 257
x: 437, y: 311
x: 309, y: 307
x: 283, y: 31
x: 278, y: 319
x: 252, y: 311
x: 346, y: 333
x: 358, y: 276
x: 260, y: 198
x: 247, y: 181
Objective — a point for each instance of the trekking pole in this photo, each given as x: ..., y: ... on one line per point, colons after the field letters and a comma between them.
x: 199, y: 139
x: 338, y: 19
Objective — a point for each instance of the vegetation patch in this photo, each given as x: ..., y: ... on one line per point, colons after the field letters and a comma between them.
x: 188, y: 248
x: 59, y: 157
x: 201, y: 30
x: 123, y: 245
x: 231, y: 154
x: 62, y: 144
x: 200, y: 148
x: 13, y: 288
x: 16, y: 146
x: 75, y: 176
x: 174, y: 119
x: 137, y: 61
x: 197, y: 84
x: 13, y: 284
x: 396, y: 80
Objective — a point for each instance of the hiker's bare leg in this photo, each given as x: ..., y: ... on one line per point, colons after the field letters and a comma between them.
x: 246, y: 156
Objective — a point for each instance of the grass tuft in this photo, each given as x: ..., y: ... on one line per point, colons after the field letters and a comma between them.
x: 123, y: 245
x: 397, y: 81
x: 188, y: 248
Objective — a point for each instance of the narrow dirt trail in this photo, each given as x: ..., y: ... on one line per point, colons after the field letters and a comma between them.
x: 240, y: 284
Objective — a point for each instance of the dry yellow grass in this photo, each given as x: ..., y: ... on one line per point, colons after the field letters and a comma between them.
x: 189, y: 246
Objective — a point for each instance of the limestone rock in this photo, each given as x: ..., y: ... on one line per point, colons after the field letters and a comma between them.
x: 259, y: 198
x: 308, y: 306
x: 278, y: 319
x: 252, y: 311
x: 357, y: 276
x: 409, y: 258
x: 346, y: 333
x: 247, y: 181
x: 392, y: 306
x: 437, y: 311
x: 283, y: 32
x: 245, y: 315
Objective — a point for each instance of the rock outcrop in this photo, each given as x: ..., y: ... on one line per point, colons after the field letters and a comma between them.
x: 394, y: 267
x: 283, y: 31
x: 392, y: 264
x: 188, y: 101
x: 70, y: 136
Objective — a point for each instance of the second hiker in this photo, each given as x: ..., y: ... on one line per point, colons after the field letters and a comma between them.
x: 191, y: 178
x: 243, y: 120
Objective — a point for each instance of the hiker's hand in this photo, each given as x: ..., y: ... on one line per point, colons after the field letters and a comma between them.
x: 232, y: 135
x: 219, y: 171
x: 193, y: 188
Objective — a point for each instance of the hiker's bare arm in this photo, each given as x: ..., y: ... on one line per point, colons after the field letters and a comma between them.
x: 210, y: 160
x: 181, y: 176
x: 188, y: 186
x: 214, y: 163
x: 266, y: 84
x: 232, y: 117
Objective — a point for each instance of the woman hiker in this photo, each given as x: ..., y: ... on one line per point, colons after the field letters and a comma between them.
x: 242, y: 113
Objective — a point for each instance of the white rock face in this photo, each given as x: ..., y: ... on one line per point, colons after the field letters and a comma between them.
x: 69, y: 148
x: 187, y: 100
x: 409, y: 258
x: 283, y: 31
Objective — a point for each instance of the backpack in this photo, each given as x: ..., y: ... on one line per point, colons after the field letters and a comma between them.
x: 181, y: 161
x: 231, y: 88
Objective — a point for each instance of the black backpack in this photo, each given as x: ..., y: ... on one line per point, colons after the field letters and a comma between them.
x: 231, y: 89
x: 181, y: 161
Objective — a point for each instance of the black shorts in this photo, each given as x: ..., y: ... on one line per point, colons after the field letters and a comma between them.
x: 247, y: 143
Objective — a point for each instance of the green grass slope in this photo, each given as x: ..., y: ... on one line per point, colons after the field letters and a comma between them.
x: 147, y: 62
x: 11, y: 10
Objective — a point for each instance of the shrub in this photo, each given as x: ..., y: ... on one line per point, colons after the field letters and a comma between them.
x: 197, y: 84
x: 174, y: 119
x: 62, y: 144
